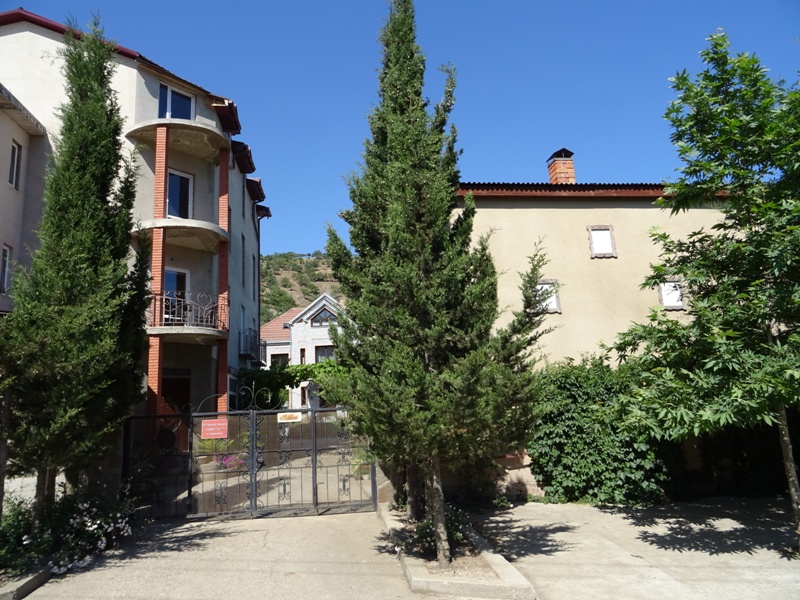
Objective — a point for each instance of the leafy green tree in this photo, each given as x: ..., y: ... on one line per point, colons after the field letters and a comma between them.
x: 426, y: 381
x: 734, y: 359
x: 74, y: 341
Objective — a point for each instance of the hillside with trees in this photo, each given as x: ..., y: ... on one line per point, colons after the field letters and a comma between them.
x: 289, y: 279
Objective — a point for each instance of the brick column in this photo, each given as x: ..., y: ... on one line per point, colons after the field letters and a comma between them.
x: 224, y: 300
x: 155, y: 401
x: 155, y: 351
x: 161, y: 174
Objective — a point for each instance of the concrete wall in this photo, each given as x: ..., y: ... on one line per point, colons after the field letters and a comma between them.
x: 599, y: 297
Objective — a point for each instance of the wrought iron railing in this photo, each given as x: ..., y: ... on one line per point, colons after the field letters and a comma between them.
x: 248, y: 343
x: 188, y: 309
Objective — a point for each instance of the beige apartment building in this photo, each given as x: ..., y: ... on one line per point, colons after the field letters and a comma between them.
x: 24, y: 148
x: 596, y: 237
x: 195, y: 199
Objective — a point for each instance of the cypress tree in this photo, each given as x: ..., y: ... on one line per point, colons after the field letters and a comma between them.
x: 74, y: 341
x: 427, y: 380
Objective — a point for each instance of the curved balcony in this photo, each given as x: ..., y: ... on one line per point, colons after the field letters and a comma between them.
x: 193, y: 317
x: 188, y: 233
x: 193, y: 138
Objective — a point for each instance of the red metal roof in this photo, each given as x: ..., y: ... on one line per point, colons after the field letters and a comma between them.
x: 564, y: 190
x: 274, y: 331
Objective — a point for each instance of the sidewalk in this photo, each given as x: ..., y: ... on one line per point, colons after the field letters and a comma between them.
x: 712, y: 550
x: 330, y: 557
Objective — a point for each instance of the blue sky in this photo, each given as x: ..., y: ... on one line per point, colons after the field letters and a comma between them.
x: 533, y: 76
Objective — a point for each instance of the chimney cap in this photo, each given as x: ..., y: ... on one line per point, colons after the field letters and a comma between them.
x: 563, y: 153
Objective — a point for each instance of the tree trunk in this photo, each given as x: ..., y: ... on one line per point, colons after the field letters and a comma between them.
x: 415, y: 505
x: 436, y: 510
x: 45, y: 493
x: 791, y: 469
x: 5, y: 413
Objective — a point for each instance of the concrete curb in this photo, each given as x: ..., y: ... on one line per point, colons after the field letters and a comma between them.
x: 510, y: 583
x: 19, y: 588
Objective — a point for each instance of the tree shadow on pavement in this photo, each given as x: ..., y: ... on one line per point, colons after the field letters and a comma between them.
x: 715, y: 525
x: 162, y: 538
x: 513, y: 538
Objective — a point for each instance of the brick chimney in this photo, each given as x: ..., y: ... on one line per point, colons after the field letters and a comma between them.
x: 560, y: 167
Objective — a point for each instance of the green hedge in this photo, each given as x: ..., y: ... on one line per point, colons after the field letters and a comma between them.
x: 579, y: 452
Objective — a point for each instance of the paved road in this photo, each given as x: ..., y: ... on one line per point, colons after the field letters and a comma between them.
x: 331, y: 557
x: 715, y: 550
x: 711, y: 550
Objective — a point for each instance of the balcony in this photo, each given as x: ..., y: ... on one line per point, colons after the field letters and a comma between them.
x: 188, y: 233
x: 193, y: 138
x: 248, y: 343
x: 194, y: 317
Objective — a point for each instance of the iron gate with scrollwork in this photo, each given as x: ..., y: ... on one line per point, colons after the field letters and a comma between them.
x: 252, y: 461
x: 270, y: 460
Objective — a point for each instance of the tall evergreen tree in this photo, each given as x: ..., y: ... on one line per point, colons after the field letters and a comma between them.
x: 74, y: 341
x: 428, y: 382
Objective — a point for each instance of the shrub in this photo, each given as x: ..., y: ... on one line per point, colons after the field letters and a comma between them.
x: 578, y: 451
x: 424, y: 538
x: 74, y: 528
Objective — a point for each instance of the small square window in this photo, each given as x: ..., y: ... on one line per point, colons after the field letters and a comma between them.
x: 671, y: 296
x: 15, y: 167
x: 601, y: 241
x: 279, y: 360
x: 549, y: 287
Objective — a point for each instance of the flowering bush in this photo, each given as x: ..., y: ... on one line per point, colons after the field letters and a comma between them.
x: 233, y: 462
x: 74, y: 528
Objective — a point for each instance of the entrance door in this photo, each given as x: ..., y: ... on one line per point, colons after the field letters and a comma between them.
x: 177, y: 395
x: 176, y: 287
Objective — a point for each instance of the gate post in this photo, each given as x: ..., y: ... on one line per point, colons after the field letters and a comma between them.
x: 314, y: 493
x: 189, y: 498
x: 252, y: 459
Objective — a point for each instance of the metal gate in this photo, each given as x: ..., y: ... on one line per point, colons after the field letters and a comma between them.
x: 250, y: 462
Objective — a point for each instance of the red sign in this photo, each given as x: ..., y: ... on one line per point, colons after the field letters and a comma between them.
x: 214, y: 429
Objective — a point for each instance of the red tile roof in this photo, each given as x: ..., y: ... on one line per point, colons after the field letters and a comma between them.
x: 274, y: 331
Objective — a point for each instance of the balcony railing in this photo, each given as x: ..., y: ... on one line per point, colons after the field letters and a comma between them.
x: 187, y: 309
x: 248, y: 343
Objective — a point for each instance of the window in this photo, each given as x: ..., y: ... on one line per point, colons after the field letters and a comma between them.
x: 550, y: 288
x: 323, y: 318
x: 244, y: 265
x: 279, y: 360
x: 180, y: 193
x: 5, y: 270
x: 233, y: 393
x: 671, y: 295
x: 303, y: 396
x: 322, y: 353
x: 302, y: 356
x: 601, y: 241
x: 15, y: 167
x: 255, y: 278
x: 172, y: 104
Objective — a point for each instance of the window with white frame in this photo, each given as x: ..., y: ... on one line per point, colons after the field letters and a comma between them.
x: 549, y: 289
x: 173, y: 104
x: 5, y: 270
x: 180, y: 195
x: 323, y: 318
x: 601, y: 241
x: 671, y: 295
x: 15, y: 167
